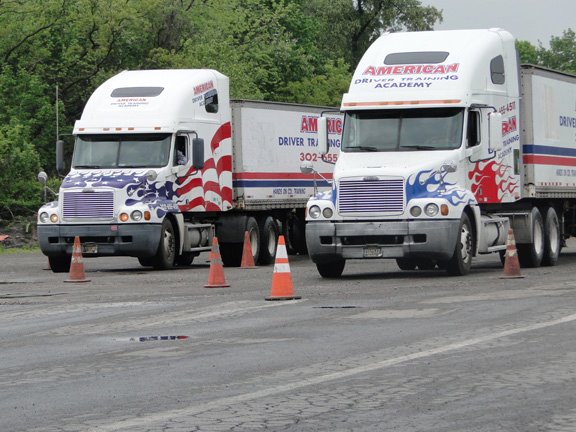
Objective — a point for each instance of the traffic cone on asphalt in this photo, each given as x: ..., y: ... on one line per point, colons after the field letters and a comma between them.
x: 77, y: 264
x: 247, y: 257
x: 282, y: 286
x: 216, y: 277
x: 511, y: 263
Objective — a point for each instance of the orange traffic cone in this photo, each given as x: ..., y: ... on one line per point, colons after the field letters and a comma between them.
x: 282, y: 286
x: 511, y: 263
x: 216, y: 276
x: 247, y: 257
x: 77, y: 264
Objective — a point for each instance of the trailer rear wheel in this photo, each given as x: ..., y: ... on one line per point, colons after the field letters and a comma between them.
x: 166, y: 254
x: 461, y: 261
x: 552, y: 239
x: 331, y: 269
x: 231, y: 253
x: 531, y: 254
x: 60, y: 263
x: 269, y: 233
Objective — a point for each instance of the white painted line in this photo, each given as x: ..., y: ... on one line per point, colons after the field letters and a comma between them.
x: 147, y: 420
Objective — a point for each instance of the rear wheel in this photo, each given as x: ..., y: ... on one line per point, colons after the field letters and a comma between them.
x: 531, y: 254
x: 185, y: 259
x: 60, y: 263
x: 331, y: 269
x: 552, y: 238
x: 269, y: 232
x: 232, y: 252
x: 461, y: 261
x: 166, y: 254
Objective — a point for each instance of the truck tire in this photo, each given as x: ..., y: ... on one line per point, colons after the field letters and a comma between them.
x: 332, y: 269
x: 146, y: 262
x: 294, y: 234
x: 461, y: 261
x: 232, y: 252
x: 269, y: 233
x: 531, y: 254
x: 166, y: 254
x: 406, y: 264
x: 60, y: 263
x: 552, y: 238
x: 185, y: 259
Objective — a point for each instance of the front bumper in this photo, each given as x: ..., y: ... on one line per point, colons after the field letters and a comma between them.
x: 138, y: 240
x: 328, y: 241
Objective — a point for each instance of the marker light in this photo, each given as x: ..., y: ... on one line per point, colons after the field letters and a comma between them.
x: 54, y: 218
x: 123, y: 217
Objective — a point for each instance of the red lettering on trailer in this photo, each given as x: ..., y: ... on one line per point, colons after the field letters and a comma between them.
x: 411, y: 69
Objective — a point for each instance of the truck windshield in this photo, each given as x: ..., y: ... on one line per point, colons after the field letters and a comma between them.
x: 403, y: 130
x: 121, y: 151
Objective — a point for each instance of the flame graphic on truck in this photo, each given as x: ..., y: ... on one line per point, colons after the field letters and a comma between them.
x: 433, y: 183
x: 492, y: 181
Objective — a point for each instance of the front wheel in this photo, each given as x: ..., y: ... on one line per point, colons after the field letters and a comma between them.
x: 60, y: 263
x: 166, y: 254
x: 331, y: 269
x: 461, y: 262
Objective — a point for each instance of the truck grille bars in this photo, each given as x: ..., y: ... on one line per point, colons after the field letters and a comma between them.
x: 88, y: 205
x: 372, y: 196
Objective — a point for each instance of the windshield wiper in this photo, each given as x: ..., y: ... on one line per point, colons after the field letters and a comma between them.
x: 421, y: 147
x: 361, y: 149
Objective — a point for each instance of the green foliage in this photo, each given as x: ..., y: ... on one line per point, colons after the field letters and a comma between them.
x: 560, y: 56
x: 301, y: 51
x: 19, y: 165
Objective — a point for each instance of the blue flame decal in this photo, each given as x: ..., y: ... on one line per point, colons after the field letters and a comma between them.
x: 433, y: 184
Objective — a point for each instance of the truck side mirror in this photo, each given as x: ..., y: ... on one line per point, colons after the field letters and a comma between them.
x: 495, y: 131
x: 323, y: 135
x: 198, y: 153
x: 60, y: 166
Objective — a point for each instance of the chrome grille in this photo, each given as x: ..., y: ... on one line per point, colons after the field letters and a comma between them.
x: 358, y: 196
x: 88, y: 205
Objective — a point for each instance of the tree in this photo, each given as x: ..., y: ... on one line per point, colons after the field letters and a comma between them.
x: 561, y: 55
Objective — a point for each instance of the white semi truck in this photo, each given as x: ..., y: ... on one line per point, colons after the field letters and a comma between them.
x: 163, y: 161
x: 448, y: 142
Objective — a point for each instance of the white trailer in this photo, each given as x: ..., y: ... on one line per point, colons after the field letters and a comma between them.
x: 448, y: 142
x: 163, y: 161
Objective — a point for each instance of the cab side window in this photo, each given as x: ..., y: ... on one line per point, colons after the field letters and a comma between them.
x: 473, y: 133
x: 211, y: 101
x: 181, y: 153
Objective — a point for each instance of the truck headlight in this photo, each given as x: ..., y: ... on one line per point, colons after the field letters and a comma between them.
x: 327, y: 212
x: 136, y: 215
x: 54, y: 218
x: 431, y: 210
x: 43, y: 217
x: 314, y: 212
x: 415, y: 211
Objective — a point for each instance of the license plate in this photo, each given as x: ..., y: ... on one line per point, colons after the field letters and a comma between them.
x: 372, y: 252
x: 90, y: 248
